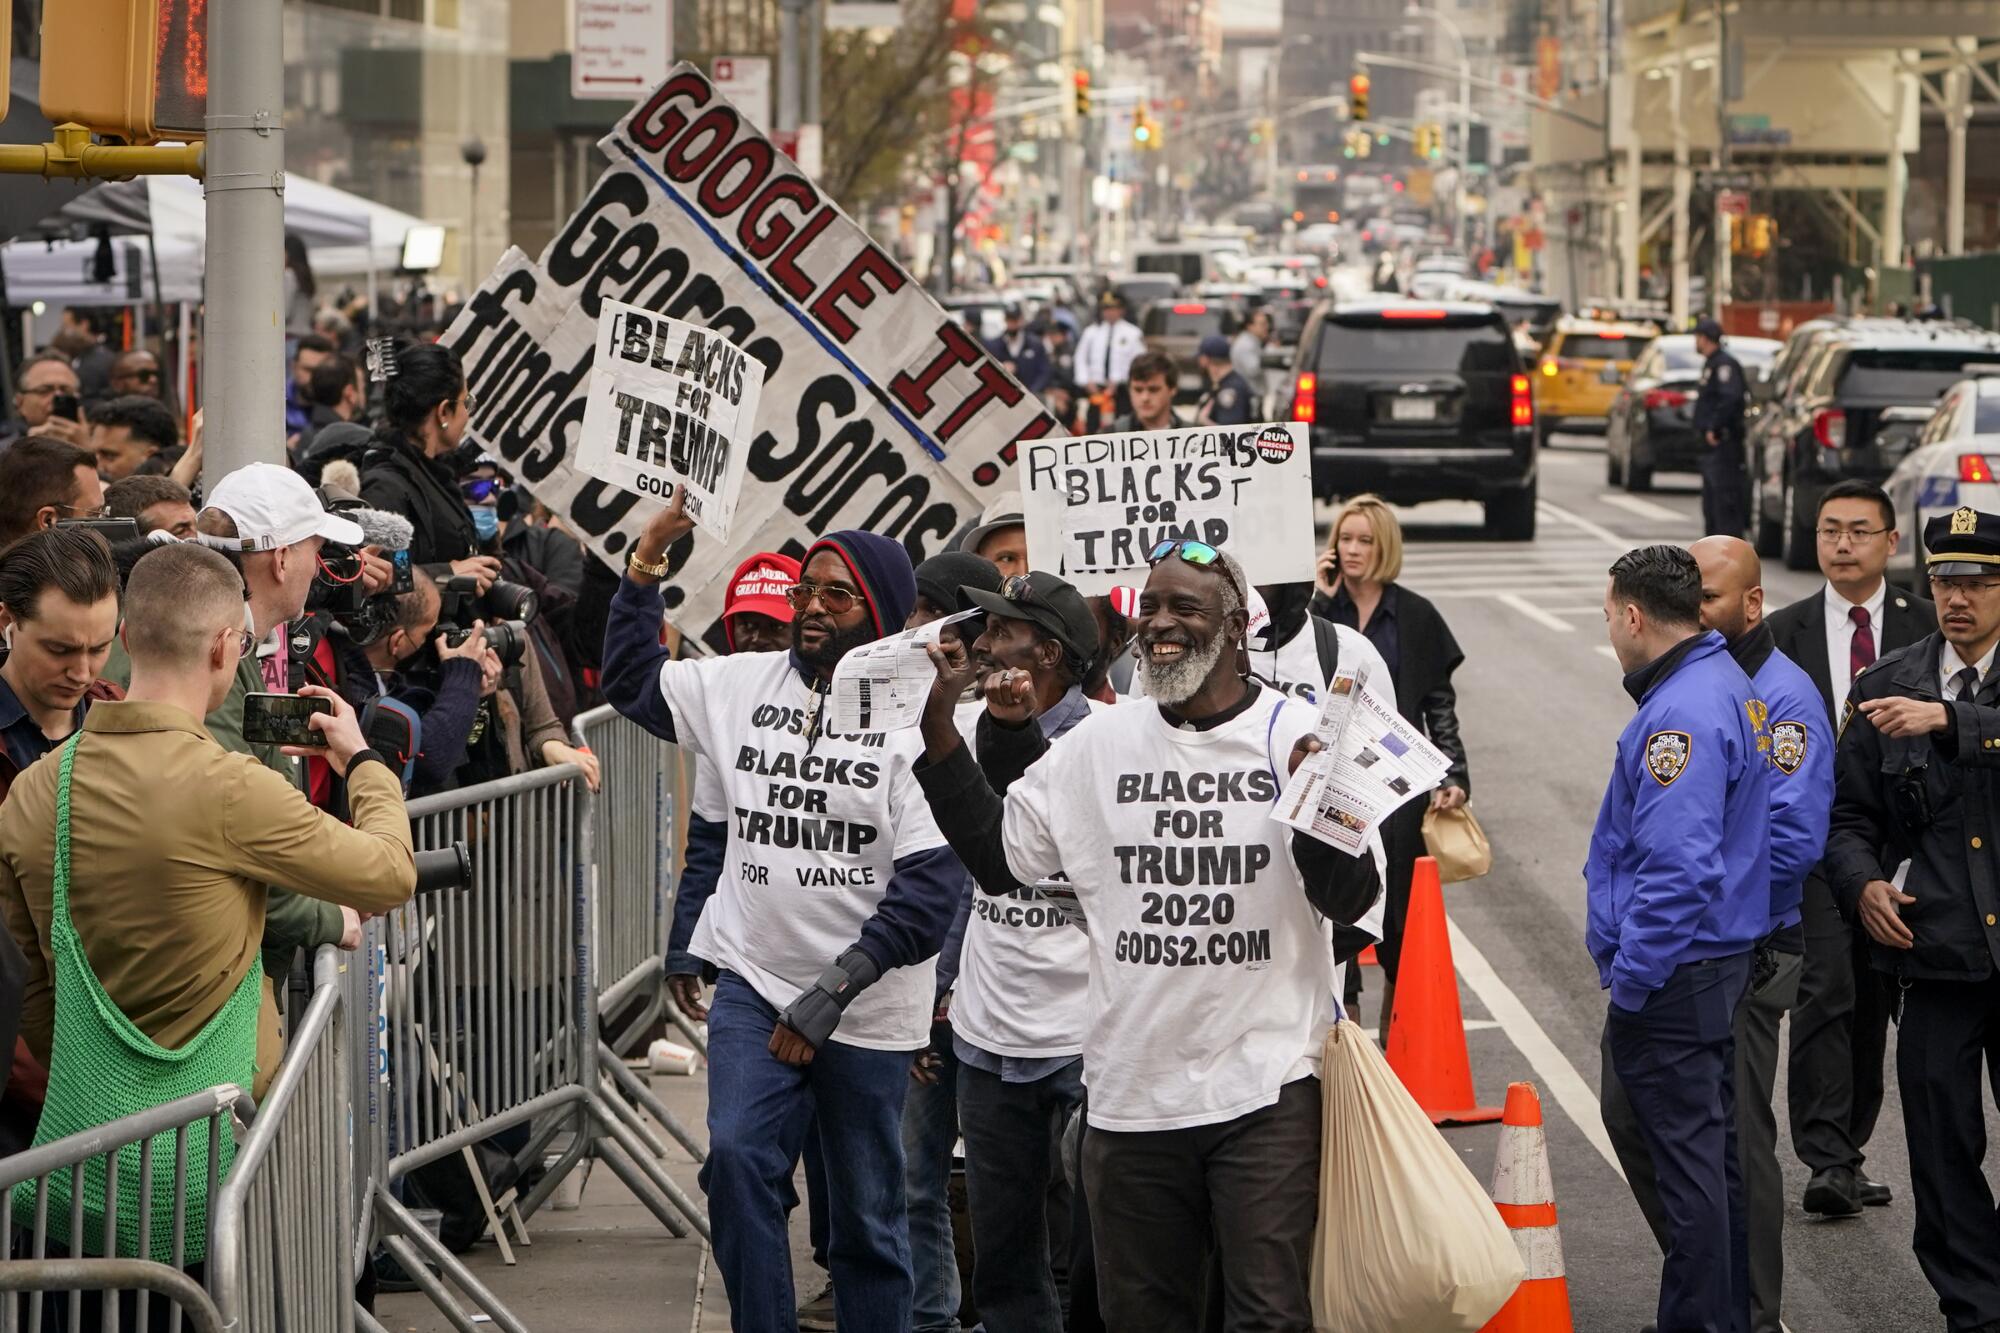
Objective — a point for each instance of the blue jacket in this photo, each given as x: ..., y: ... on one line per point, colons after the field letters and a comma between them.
x: 1680, y: 860
x: 1031, y: 363
x: 1801, y: 745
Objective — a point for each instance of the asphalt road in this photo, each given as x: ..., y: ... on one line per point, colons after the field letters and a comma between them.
x: 1541, y: 705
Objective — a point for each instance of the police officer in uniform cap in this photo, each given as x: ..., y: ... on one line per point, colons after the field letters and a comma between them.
x: 1718, y: 423
x: 1230, y: 401
x: 1915, y: 786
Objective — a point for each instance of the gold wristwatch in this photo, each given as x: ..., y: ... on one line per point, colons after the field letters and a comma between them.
x: 639, y: 566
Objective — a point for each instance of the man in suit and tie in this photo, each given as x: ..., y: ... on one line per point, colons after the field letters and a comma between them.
x: 1840, y: 1022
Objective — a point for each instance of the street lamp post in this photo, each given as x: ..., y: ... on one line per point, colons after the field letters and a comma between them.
x: 1414, y: 10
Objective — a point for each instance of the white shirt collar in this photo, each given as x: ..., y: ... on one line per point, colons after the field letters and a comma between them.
x: 1837, y: 606
x: 1950, y: 664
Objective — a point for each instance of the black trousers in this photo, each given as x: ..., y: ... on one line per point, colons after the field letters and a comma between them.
x: 1014, y: 1191
x: 1675, y: 1058
x: 1249, y: 1186
x: 1725, y: 490
x: 1840, y: 1034
x: 1949, y: 1029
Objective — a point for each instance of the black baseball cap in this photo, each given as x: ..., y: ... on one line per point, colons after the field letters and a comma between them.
x: 1050, y: 604
x: 1709, y: 329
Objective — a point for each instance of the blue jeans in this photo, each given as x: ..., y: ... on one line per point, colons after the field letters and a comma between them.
x: 759, y: 1111
x: 930, y: 1131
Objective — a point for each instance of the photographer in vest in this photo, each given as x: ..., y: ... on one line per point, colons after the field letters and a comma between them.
x: 835, y: 894
x: 1211, y: 972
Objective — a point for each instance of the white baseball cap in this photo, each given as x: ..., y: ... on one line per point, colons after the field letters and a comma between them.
x: 273, y: 507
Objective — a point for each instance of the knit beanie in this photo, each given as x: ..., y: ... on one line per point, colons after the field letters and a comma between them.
x: 940, y: 578
x: 881, y: 567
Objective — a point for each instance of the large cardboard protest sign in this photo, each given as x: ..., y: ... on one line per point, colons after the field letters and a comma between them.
x: 670, y: 405
x: 877, y: 411
x: 1103, y: 503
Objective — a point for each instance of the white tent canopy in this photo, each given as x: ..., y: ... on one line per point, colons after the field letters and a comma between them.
x: 344, y: 234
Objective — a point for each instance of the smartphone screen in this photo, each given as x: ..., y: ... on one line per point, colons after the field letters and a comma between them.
x: 280, y: 719
x: 405, y: 579
x: 66, y: 406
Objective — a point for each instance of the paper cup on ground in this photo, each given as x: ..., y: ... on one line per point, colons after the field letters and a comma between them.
x: 666, y: 1057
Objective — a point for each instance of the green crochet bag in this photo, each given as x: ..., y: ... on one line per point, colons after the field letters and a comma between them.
x: 102, y: 1067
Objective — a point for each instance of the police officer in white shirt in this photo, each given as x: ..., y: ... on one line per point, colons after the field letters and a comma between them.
x: 836, y: 892
x: 1211, y: 971
x: 1105, y: 351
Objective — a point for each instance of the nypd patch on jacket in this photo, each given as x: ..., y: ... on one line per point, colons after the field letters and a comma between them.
x: 1680, y: 863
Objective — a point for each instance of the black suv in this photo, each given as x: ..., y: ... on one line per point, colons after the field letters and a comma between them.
x: 1419, y: 401
x: 1821, y: 422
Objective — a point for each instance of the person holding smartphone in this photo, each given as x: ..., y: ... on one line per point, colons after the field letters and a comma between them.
x: 48, y: 400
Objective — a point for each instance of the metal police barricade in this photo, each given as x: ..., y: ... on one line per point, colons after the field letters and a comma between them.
x: 111, y: 1268
x: 632, y: 832
x: 489, y: 1021
x: 282, y: 1259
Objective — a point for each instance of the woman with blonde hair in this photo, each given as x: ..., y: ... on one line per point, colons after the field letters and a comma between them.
x: 1357, y: 588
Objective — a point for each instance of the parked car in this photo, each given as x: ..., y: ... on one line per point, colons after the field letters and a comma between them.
x: 1177, y: 328
x: 1581, y: 367
x: 988, y: 308
x: 1139, y: 289
x: 1824, y: 428
x: 1651, y: 424
x: 1419, y: 401
x: 1935, y: 479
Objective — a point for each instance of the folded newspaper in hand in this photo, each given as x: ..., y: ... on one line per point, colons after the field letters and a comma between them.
x: 881, y: 686
x: 1374, y: 761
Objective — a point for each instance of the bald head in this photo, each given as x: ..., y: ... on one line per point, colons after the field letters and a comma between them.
x: 1732, y: 585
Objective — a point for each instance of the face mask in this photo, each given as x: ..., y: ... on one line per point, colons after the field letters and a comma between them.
x: 485, y: 521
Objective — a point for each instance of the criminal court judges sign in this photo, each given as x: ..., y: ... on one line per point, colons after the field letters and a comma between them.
x: 1105, y: 502
x: 877, y: 411
x: 670, y: 405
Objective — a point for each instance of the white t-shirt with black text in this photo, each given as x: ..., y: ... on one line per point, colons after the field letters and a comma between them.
x: 814, y: 835
x: 1211, y: 976
x: 1294, y: 667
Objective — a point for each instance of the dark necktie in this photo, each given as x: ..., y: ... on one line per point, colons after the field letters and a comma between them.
x: 1966, y: 682
x: 1861, y: 650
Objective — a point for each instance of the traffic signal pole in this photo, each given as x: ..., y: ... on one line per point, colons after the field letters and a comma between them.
x: 243, y: 331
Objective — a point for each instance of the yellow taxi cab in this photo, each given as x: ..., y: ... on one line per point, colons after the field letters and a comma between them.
x: 1581, y: 368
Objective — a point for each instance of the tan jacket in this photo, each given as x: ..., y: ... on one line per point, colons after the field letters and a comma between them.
x: 172, y: 840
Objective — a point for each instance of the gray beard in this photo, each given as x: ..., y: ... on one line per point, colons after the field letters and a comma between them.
x: 1176, y: 683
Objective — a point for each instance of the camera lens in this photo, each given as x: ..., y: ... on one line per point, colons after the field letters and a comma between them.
x: 447, y: 868
x: 511, y: 601
x: 509, y: 640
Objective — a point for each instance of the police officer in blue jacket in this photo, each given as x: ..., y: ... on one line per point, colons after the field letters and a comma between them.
x: 1801, y: 790
x: 1719, y: 406
x: 1679, y: 888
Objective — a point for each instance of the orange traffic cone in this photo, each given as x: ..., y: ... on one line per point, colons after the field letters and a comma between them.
x: 1368, y: 958
x: 1525, y: 1195
x: 1427, y: 1031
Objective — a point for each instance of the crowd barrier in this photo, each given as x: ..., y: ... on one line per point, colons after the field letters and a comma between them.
x: 468, y: 1017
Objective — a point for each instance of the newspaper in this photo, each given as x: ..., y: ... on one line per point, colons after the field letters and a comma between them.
x: 882, y: 686
x: 1373, y: 762
x: 1060, y: 894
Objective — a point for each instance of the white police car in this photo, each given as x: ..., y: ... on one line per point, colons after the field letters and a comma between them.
x: 1954, y: 461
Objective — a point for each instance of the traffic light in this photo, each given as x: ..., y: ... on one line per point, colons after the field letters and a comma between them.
x: 1145, y: 130
x: 1422, y: 142
x: 135, y: 70
x: 1083, y: 93
x: 1357, y: 97
x: 1759, y: 232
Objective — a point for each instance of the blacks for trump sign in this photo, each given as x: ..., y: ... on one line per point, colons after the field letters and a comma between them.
x: 671, y: 404
x: 877, y: 411
x: 1103, y: 503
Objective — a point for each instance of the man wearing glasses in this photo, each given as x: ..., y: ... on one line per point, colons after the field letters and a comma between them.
x: 1840, y: 1021
x: 43, y: 379
x: 836, y: 892
x: 1911, y: 854
x: 44, y: 481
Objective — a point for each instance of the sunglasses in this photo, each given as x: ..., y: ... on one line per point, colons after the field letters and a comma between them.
x: 839, y: 601
x: 1194, y: 553
x: 481, y: 489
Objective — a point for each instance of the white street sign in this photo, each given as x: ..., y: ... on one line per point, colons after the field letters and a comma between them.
x: 619, y: 48
x: 746, y: 81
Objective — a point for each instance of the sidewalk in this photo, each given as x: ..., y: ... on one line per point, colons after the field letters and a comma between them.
x: 609, y: 1266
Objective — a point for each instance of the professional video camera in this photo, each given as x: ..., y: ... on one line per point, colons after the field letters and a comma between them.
x: 337, y: 591
x: 505, y: 607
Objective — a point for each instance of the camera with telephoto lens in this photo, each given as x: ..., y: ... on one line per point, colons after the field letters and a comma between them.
x: 505, y: 607
x: 446, y: 868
